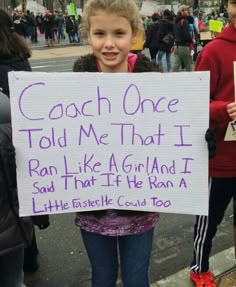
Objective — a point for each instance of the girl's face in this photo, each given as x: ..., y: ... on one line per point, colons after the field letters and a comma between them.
x: 231, y: 9
x: 111, y: 37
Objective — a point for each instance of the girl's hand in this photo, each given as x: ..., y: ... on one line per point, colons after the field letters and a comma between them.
x: 231, y: 110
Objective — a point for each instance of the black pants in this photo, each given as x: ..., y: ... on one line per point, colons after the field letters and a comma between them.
x: 222, y: 190
x: 153, y: 53
x: 30, y: 257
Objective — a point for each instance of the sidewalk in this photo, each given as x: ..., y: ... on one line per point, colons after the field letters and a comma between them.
x: 219, y: 263
x: 41, y: 44
x: 63, y: 49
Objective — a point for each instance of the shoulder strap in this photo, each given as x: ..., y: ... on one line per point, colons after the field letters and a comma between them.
x: 182, y: 22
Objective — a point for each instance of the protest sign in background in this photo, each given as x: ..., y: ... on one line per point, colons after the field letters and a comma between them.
x: 215, y: 26
x: 89, y: 141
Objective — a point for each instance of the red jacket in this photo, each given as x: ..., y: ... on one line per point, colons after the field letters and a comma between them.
x: 218, y: 57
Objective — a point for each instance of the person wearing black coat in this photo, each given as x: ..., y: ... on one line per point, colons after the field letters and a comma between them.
x: 182, y: 40
x: 20, y: 26
x: 166, y: 31
x: 152, y: 41
x: 11, y: 64
x: 15, y: 232
x: 14, y: 54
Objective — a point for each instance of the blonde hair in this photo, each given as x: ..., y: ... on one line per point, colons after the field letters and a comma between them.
x: 124, y: 8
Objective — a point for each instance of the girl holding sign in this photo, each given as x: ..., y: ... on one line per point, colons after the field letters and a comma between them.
x: 112, y: 27
x: 218, y: 57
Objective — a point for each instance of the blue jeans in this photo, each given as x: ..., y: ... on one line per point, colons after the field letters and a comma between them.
x: 134, y: 257
x: 11, y: 269
x: 168, y: 62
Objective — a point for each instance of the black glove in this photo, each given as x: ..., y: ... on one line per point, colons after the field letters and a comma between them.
x: 42, y: 221
x: 211, y: 142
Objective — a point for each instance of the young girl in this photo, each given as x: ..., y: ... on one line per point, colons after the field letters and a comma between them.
x: 112, y: 27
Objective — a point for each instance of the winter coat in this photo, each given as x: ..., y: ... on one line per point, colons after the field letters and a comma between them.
x: 152, y: 41
x: 20, y: 28
x: 218, y: 57
x: 182, y: 32
x: 11, y: 64
x: 15, y: 232
x: 88, y: 63
x: 166, y: 27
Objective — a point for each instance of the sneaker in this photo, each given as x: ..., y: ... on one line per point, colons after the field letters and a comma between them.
x: 203, y: 279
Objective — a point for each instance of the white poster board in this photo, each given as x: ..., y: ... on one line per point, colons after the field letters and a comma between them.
x: 149, y: 7
x: 90, y: 141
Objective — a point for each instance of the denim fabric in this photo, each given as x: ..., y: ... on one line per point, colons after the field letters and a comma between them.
x: 134, y: 258
x: 168, y: 61
x: 11, y: 269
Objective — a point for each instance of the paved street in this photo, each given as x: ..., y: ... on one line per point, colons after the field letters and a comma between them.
x: 63, y: 262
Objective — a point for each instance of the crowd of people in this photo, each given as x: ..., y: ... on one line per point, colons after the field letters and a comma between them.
x: 114, y: 238
x: 167, y: 33
x: 55, y: 26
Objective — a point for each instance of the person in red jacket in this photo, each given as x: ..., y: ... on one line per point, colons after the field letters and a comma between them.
x: 217, y: 57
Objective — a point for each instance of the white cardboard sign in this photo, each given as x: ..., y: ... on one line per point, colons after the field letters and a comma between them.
x: 90, y: 141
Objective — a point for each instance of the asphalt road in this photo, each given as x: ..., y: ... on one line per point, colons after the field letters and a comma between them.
x: 63, y: 261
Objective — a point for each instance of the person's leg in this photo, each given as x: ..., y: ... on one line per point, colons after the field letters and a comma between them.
x: 153, y: 53
x: 47, y: 38
x: 31, y: 256
x: 102, y: 253
x: 135, y: 253
x: 69, y: 36
x: 221, y: 192
x: 177, y: 59
x: 36, y: 34
x: 186, y: 58
x: 159, y: 57
x: 11, y: 266
x: 168, y: 61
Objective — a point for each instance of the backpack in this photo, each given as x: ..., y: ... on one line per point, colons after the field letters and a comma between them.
x: 168, y: 39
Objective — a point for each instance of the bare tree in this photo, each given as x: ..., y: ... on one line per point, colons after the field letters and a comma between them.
x: 4, y: 4
x: 49, y: 4
x: 63, y: 4
x: 14, y: 3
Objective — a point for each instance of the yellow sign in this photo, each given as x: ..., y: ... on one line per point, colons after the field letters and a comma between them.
x: 215, y: 26
x: 72, y: 9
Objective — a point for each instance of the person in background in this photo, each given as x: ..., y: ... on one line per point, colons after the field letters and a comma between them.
x: 20, y: 26
x: 71, y: 28
x: 48, y: 28
x: 166, y: 30
x: 217, y: 57
x: 15, y: 231
x: 182, y: 40
x: 152, y: 40
x: 61, y: 26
